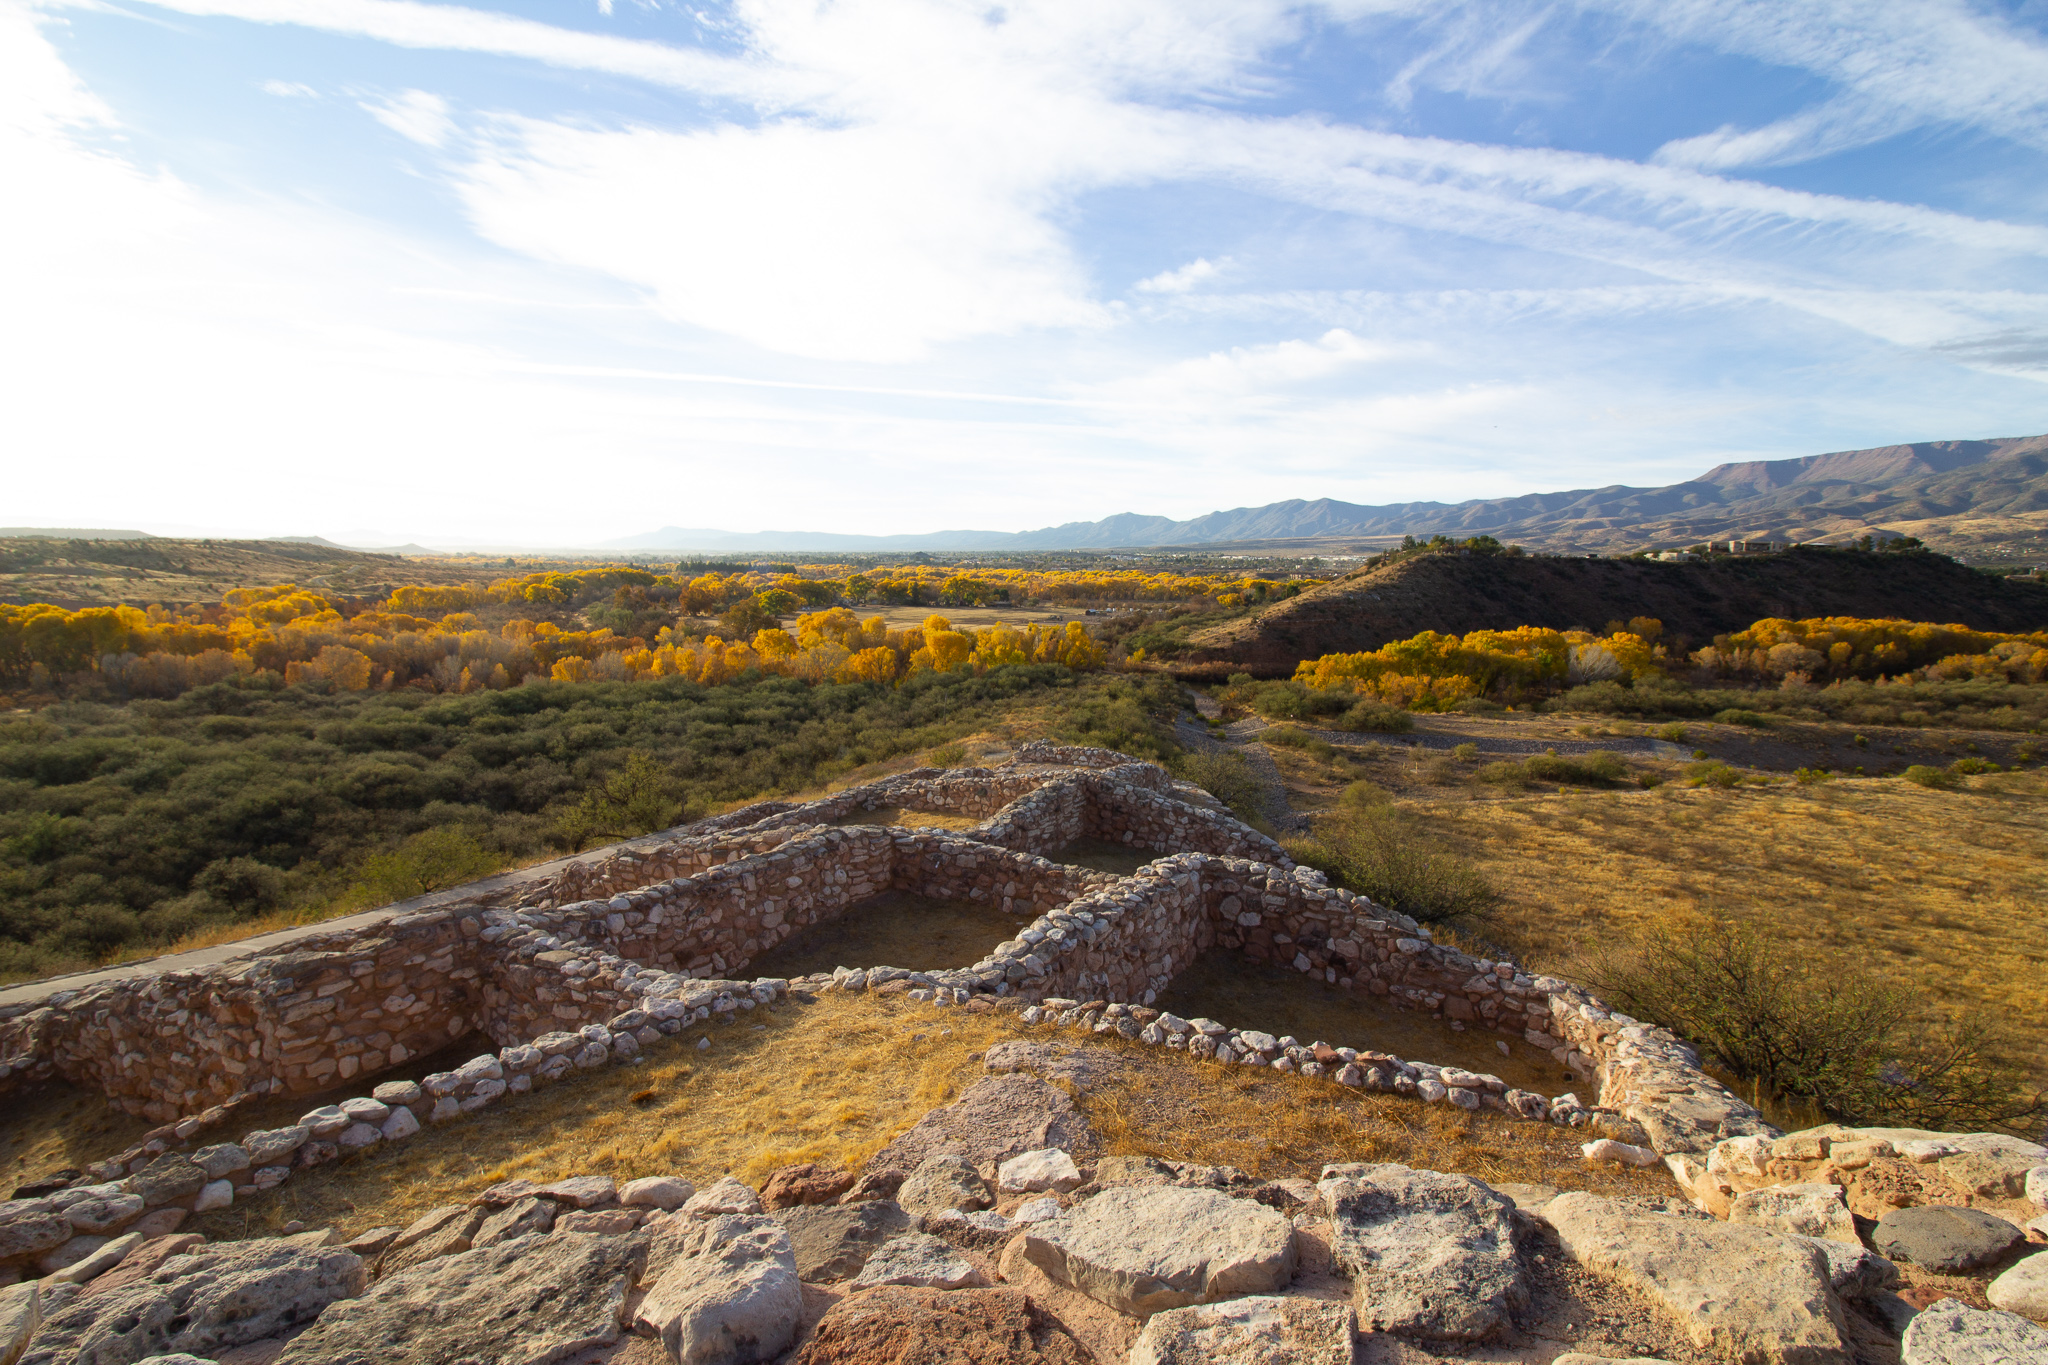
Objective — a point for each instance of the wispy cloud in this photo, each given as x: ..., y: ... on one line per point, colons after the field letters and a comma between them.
x: 414, y: 115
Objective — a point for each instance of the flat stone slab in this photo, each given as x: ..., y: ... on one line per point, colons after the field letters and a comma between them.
x: 1948, y: 1241
x: 1953, y: 1333
x: 1810, y: 1210
x: 895, y: 1326
x: 919, y: 1261
x: 1743, y: 1293
x: 833, y: 1241
x: 1259, y: 1329
x: 203, y: 1302
x: 1429, y: 1254
x: 533, y: 1298
x: 997, y: 1118
x: 1143, y: 1249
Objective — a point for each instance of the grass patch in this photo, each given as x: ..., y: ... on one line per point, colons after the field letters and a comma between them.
x: 1381, y: 851
x: 1225, y: 776
x: 1941, y: 896
x: 834, y: 1081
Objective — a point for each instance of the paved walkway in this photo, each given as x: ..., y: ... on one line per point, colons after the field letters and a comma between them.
x: 28, y: 992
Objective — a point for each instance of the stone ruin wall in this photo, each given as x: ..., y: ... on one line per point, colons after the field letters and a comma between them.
x: 570, y: 988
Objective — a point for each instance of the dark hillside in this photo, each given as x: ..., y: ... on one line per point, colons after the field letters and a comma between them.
x: 1455, y: 594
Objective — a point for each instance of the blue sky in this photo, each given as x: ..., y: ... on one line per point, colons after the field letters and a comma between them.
x: 553, y: 273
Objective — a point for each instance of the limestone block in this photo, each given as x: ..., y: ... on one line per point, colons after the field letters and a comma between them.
x: 665, y: 1192
x: 731, y: 1297
x: 1947, y: 1241
x: 1257, y: 1330
x: 1952, y: 1333
x: 1141, y: 1249
x: 1810, y: 1210
x: 215, y: 1194
x: 1048, y: 1168
x: 275, y: 1145
x: 727, y: 1196
x: 2023, y: 1289
x: 1430, y: 1254
x: 920, y: 1261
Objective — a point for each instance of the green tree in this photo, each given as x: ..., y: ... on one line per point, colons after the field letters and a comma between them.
x: 641, y: 796
x: 431, y: 860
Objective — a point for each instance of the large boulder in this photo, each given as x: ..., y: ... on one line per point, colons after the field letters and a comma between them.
x: 1257, y: 1330
x: 809, y: 1183
x: 1953, y: 1333
x: 1810, y: 1210
x: 729, y: 1296
x: 901, y: 1326
x: 1431, y: 1254
x: 531, y: 1299
x: 1945, y: 1240
x: 997, y: 1118
x: 21, y: 1312
x: 2024, y: 1288
x: 943, y: 1181
x: 1142, y: 1249
x: 206, y: 1301
x: 1743, y: 1293
x: 833, y: 1241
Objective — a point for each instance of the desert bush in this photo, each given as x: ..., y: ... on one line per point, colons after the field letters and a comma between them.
x: 1972, y: 766
x: 1478, y: 706
x: 1293, y: 737
x: 1371, y: 717
x: 1377, y: 850
x: 1133, y: 715
x: 1818, y: 1031
x: 1938, y: 778
x: 1225, y: 776
x: 1673, y: 732
x: 1465, y: 753
x: 1362, y: 793
x: 1712, y: 772
x: 947, y: 756
x: 638, y: 797
x: 431, y: 860
x: 1738, y: 716
x: 1807, y: 777
x: 1601, y: 768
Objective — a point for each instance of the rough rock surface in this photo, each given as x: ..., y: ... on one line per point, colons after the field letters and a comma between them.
x: 21, y: 1312
x: 727, y: 1196
x: 203, y: 1302
x: 1256, y: 1330
x: 1430, y: 1254
x: 1743, y: 1293
x: 1953, y: 1333
x: 1811, y: 1210
x: 943, y: 1181
x: 1141, y: 1249
x: 523, y: 1218
x: 665, y: 1192
x: 1048, y: 1168
x: 142, y: 1262
x: 900, y: 1326
x: 2024, y: 1288
x: 1947, y: 1241
x: 730, y: 1296
x: 998, y: 1117
x: 833, y: 1241
x: 794, y: 1186
x: 531, y: 1299
x: 920, y: 1261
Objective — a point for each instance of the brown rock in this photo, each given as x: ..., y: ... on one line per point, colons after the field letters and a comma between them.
x: 809, y: 1183
x: 159, y: 1222
x: 875, y: 1185
x: 896, y: 1326
x: 442, y: 1232
x: 141, y: 1263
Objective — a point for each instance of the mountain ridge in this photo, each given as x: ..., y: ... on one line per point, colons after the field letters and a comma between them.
x: 1835, y: 494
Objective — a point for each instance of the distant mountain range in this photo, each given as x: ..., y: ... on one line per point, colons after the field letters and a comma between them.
x: 1810, y: 498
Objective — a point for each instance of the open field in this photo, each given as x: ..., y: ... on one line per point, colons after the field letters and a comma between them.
x: 1944, y: 892
x: 833, y: 1081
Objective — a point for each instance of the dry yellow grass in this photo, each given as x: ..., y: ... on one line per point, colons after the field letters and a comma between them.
x: 1944, y: 892
x: 59, y: 1126
x: 835, y: 1080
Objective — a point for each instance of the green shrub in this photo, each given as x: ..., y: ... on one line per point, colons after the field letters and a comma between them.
x: 1465, y: 753
x: 1673, y: 732
x: 1225, y: 776
x: 1712, y: 773
x: 1819, y: 1031
x: 1737, y: 716
x: 1377, y: 850
x: 1970, y: 767
x: 1477, y: 706
x: 1504, y: 774
x: 1294, y: 737
x: 1807, y: 777
x: 1601, y: 768
x: 1371, y: 717
x: 1938, y: 778
x: 1362, y: 793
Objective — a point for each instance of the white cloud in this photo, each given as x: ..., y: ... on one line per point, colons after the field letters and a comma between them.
x: 1178, y: 281
x: 414, y: 115
x: 290, y: 90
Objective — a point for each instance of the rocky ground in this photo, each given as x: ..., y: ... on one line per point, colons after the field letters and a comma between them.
x: 994, y: 1231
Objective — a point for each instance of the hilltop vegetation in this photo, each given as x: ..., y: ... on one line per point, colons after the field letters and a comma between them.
x: 124, y: 828
x: 1455, y: 589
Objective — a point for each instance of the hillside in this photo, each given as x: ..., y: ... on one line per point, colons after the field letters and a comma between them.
x: 1454, y: 594
x: 1999, y: 487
